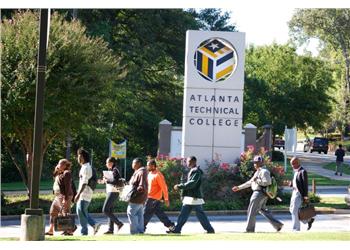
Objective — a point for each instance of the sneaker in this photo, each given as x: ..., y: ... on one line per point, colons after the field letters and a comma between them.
x: 211, y: 232
x: 96, y: 228
x: 172, y: 228
x: 119, y: 226
x: 309, y: 223
x: 108, y: 232
x: 279, y: 228
x: 336, y: 173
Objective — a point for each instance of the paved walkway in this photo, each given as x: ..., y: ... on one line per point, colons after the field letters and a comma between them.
x: 221, y: 224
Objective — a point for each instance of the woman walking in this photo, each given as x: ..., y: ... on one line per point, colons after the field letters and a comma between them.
x: 63, y: 191
x: 113, y: 180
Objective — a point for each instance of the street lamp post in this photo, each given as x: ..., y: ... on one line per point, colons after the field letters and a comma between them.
x: 33, y: 222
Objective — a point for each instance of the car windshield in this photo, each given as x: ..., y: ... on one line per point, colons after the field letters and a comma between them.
x: 320, y: 140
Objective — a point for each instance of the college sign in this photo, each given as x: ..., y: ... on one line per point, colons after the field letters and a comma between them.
x: 213, y: 96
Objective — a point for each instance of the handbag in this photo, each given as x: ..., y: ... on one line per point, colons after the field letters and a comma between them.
x: 128, y: 192
x: 306, y: 212
x: 64, y: 223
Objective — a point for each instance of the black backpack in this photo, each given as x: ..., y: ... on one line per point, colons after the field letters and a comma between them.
x: 93, y: 179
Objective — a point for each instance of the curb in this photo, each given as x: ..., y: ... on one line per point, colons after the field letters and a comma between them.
x: 209, y: 213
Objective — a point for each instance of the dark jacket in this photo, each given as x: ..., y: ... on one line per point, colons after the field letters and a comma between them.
x: 192, y: 187
x: 65, y: 184
x: 340, y: 153
x: 302, y: 182
x: 139, y: 179
x: 116, y: 177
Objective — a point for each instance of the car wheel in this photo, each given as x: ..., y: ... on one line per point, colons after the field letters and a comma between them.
x: 325, y: 152
x: 319, y: 152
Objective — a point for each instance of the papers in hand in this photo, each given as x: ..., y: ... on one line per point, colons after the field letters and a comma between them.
x: 108, y: 175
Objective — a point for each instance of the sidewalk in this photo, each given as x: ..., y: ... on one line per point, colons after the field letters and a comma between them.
x: 317, y: 169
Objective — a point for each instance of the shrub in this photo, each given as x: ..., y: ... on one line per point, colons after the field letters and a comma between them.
x: 218, y: 180
x: 277, y: 156
x: 3, y: 200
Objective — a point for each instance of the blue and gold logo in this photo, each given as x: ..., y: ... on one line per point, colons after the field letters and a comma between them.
x: 215, y: 59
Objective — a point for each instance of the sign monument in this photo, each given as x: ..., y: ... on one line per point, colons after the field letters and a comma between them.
x: 213, y: 95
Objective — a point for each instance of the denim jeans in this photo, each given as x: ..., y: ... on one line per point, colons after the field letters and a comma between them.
x: 135, y: 216
x: 84, y: 217
x: 153, y: 207
x: 185, y: 213
x: 108, y: 210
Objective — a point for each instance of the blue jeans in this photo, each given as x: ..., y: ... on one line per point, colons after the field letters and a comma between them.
x: 135, y: 216
x: 108, y: 210
x: 84, y: 217
x: 185, y: 213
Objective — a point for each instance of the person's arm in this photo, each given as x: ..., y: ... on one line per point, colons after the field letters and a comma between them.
x: 191, y: 183
x: 163, y: 187
x: 142, y: 178
x: 305, y: 187
x: 116, y: 177
x: 245, y: 185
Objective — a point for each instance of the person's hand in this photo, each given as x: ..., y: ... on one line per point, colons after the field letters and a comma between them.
x: 306, y: 199
x: 235, y: 189
x: 167, y: 203
x: 176, y: 187
x: 140, y: 189
x: 101, y: 181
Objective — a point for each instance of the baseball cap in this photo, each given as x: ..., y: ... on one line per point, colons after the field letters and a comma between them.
x: 258, y: 158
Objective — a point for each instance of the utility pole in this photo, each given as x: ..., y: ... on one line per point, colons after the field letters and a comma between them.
x: 33, y: 222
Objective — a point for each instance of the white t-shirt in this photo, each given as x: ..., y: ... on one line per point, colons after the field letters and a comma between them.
x: 85, y: 174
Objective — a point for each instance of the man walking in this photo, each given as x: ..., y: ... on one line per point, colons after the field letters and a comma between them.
x: 135, y: 207
x: 260, y: 179
x: 192, y: 198
x: 157, y: 189
x: 84, y: 193
x: 339, y: 153
x: 299, y: 195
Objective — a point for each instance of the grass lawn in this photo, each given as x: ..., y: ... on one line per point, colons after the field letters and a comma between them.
x: 320, y: 180
x: 331, y: 166
x: 303, y: 236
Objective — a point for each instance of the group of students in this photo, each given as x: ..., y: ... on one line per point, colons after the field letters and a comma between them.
x: 150, y: 189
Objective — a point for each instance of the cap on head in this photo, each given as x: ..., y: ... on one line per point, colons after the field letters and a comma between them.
x: 258, y: 158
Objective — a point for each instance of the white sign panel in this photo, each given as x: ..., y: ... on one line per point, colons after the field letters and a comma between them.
x: 213, y: 96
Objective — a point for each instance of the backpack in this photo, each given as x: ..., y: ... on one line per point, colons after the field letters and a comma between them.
x: 92, y: 183
x: 271, y: 190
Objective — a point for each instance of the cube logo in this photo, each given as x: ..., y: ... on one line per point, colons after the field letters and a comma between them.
x: 215, y: 59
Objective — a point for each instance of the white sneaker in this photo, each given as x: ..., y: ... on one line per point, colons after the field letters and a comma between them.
x: 97, y: 227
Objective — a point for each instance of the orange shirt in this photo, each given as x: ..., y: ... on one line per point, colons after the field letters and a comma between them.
x: 157, y: 187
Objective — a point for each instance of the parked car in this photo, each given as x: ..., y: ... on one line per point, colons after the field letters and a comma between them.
x: 279, y: 143
x: 347, y: 197
x: 318, y: 144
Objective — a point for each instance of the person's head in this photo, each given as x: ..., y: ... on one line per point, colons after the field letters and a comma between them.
x: 136, y: 163
x: 83, y: 156
x: 340, y: 146
x: 191, y: 161
x: 62, y: 166
x: 151, y: 165
x: 112, y: 162
x: 295, y: 163
x: 258, y: 161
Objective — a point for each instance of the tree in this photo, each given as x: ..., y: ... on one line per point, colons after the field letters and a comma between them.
x: 80, y: 71
x: 283, y: 88
x: 332, y: 26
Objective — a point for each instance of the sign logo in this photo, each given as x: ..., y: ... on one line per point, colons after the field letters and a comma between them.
x: 215, y: 59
